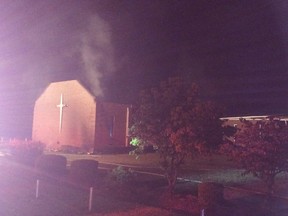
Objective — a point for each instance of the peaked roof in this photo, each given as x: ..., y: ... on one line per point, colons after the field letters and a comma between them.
x: 66, y: 82
x: 85, y: 87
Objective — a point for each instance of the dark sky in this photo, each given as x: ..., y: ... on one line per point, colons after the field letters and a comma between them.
x: 235, y: 50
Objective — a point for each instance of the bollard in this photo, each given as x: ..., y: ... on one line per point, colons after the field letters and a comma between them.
x: 203, y: 212
x: 90, y: 199
x: 37, y: 188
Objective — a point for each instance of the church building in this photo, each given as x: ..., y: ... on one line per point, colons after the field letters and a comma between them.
x: 68, y: 115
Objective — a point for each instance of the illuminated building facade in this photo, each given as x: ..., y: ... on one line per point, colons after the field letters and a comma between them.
x: 68, y: 115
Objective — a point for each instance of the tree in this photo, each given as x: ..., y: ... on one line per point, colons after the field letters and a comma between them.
x: 261, y: 148
x: 172, y: 117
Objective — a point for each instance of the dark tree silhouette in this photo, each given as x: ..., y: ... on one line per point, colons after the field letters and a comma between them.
x: 261, y: 148
x: 172, y: 117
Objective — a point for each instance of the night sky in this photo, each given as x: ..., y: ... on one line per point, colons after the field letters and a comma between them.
x: 235, y: 50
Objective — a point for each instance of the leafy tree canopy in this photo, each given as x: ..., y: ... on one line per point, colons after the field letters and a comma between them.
x: 174, y: 118
x: 261, y: 148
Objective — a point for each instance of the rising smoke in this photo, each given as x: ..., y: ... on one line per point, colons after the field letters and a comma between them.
x: 54, y: 42
x: 97, y: 53
x: 44, y: 42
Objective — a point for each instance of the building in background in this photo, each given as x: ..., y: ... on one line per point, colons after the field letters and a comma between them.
x: 237, y: 121
x: 67, y: 115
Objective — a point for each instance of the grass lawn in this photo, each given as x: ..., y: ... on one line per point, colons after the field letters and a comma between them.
x: 216, y: 168
x: 152, y: 160
x: 60, y: 196
x: 144, y: 195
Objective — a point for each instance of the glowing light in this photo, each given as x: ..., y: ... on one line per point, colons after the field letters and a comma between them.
x: 61, y: 106
x: 135, y: 141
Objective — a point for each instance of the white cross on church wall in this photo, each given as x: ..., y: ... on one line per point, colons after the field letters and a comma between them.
x: 61, y: 106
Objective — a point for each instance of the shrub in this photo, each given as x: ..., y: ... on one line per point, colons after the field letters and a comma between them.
x: 51, y: 164
x: 24, y: 151
x: 143, y: 149
x: 140, y: 147
x: 210, y: 193
x: 122, y: 175
x: 260, y: 148
x: 68, y: 149
x: 112, y: 150
x: 84, y: 171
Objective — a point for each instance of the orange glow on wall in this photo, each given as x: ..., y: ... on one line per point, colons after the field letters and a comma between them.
x: 67, y: 114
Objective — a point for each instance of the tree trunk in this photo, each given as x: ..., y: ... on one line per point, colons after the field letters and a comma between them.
x: 171, y: 175
x: 210, y: 193
x: 270, y: 187
x: 268, y: 204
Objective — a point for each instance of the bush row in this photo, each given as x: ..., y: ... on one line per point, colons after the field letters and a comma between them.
x: 84, y: 171
x: 81, y: 171
x: 24, y: 152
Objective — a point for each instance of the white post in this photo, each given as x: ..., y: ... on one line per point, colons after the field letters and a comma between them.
x: 90, y: 199
x: 203, y: 212
x: 37, y: 188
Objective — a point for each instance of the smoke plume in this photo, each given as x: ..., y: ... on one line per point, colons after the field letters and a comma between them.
x: 97, y: 53
x: 53, y: 42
